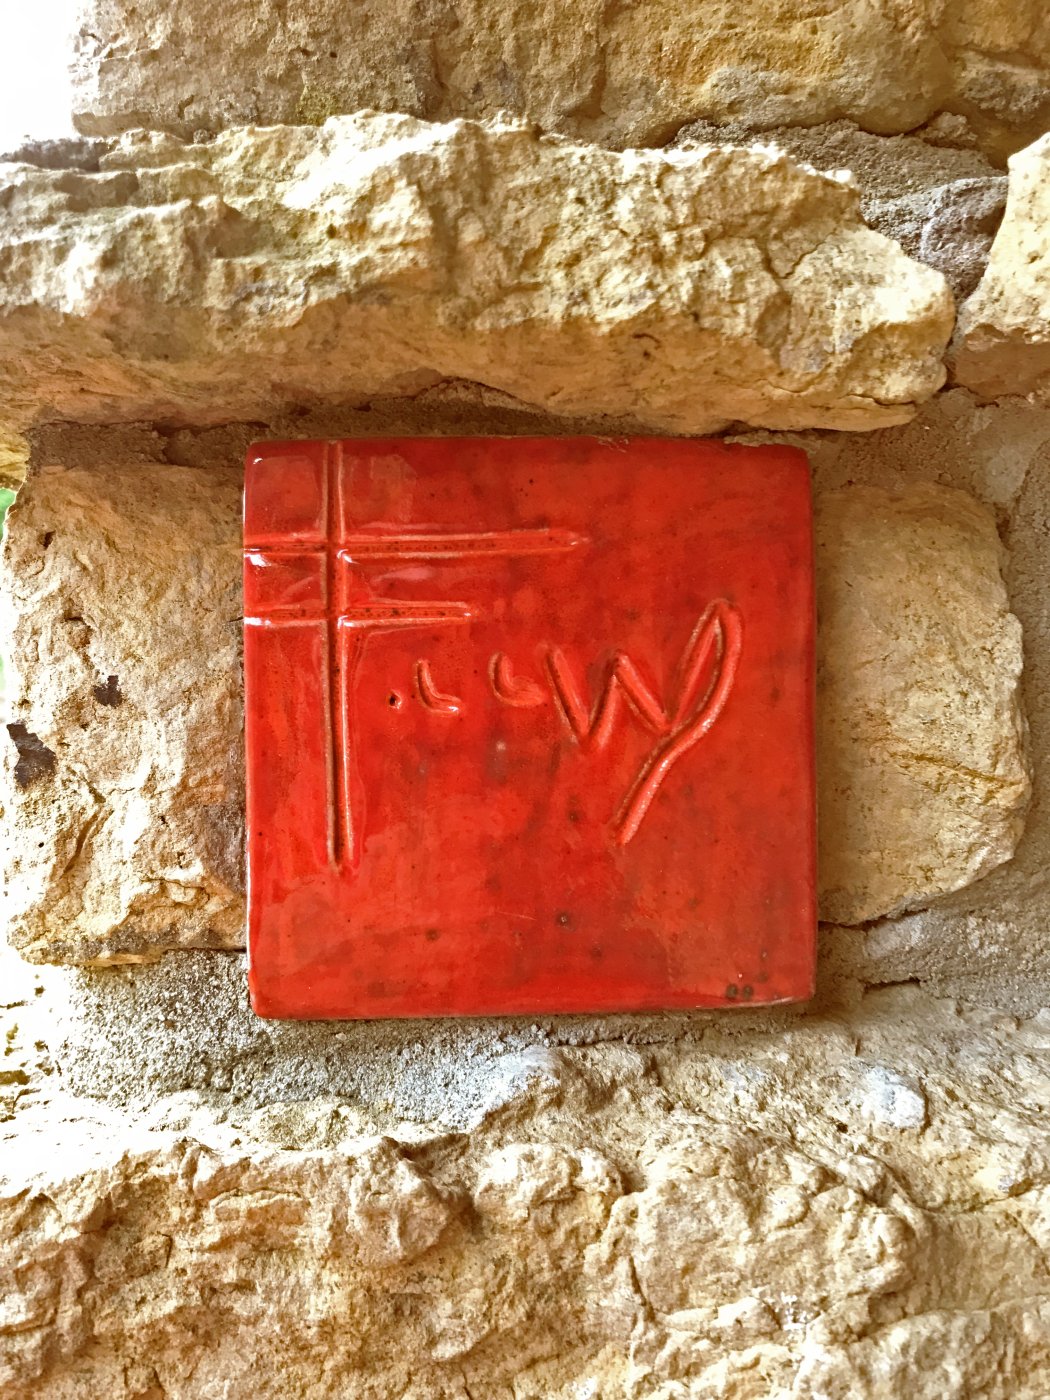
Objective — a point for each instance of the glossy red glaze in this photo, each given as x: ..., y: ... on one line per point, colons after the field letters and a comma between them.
x: 529, y: 726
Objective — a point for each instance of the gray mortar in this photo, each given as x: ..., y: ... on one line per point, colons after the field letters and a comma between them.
x: 449, y: 409
x: 132, y: 1034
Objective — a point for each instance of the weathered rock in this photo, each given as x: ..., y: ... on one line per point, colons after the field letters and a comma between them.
x: 989, y: 941
x: 125, y: 775
x: 1002, y: 342
x: 678, y: 290
x: 1000, y: 58
x: 128, y: 781
x: 738, y: 1215
x: 921, y: 738
x: 620, y: 75
x: 531, y: 1183
x: 25, y: 1028
x: 942, y: 204
x: 14, y: 455
x: 958, y: 228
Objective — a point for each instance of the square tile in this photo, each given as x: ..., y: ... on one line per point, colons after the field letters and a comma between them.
x: 529, y: 726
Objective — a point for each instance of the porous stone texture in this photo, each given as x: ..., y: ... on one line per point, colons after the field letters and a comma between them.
x: 679, y: 290
x: 1002, y: 341
x: 26, y: 1067
x: 129, y: 782
x: 124, y: 774
x: 14, y: 455
x: 921, y: 739
x: 942, y: 203
x: 989, y: 941
x: 620, y: 75
x: 802, y: 1209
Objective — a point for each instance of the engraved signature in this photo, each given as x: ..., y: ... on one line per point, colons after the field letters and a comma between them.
x: 694, y: 706
x: 307, y: 592
x: 701, y: 686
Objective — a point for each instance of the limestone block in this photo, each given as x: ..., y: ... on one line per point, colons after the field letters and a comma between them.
x: 941, y: 1354
x: 1000, y: 56
x: 989, y: 941
x: 124, y: 770
x: 534, y: 1183
x: 14, y: 454
x: 702, y: 1211
x: 921, y: 736
x: 127, y: 787
x: 152, y: 280
x: 1002, y: 341
x: 622, y: 75
x: 719, y: 1214
x: 942, y: 203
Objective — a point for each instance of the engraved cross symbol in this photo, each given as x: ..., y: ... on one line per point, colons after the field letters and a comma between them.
x: 309, y: 576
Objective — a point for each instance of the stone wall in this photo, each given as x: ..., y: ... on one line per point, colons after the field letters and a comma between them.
x: 619, y: 75
x: 846, y: 1199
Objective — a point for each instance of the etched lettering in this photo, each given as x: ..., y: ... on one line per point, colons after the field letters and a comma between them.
x: 720, y: 631
x: 430, y: 696
x: 403, y: 614
x: 511, y: 689
x: 592, y: 728
x: 291, y: 587
x: 493, y: 543
x: 712, y: 652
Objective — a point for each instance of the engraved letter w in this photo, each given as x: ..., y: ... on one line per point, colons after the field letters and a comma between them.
x: 699, y: 692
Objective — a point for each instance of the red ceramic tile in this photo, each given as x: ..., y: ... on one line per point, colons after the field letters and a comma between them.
x: 529, y: 726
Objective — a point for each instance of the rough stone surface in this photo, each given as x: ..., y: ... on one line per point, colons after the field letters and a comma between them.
x: 921, y: 739
x: 943, y: 204
x: 829, y: 1207
x: 991, y: 940
x: 128, y: 783
x: 1002, y: 341
x: 14, y: 455
x: 678, y: 290
x: 847, y: 1201
x: 616, y: 74
x: 124, y: 764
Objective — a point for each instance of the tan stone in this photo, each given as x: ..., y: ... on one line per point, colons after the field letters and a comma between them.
x: 989, y: 941
x: 1002, y: 341
x: 127, y: 782
x: 621, y: 75
x: 677, y: 290
x: 853, y: 1205
x: 942, y: 203
x: 1000, y: 56
x: 14, y: 455
x: 921, y: 737
x: 124, y: 781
